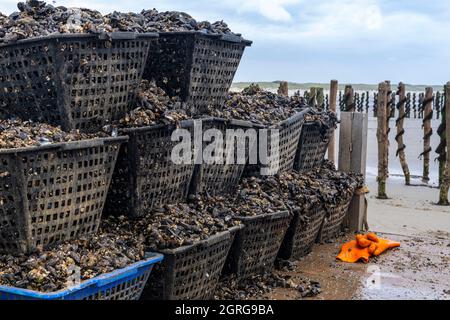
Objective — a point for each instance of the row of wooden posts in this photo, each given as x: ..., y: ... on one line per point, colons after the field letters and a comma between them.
x: 386, y: 103
x: 367, y: 101
x: 384, y: 114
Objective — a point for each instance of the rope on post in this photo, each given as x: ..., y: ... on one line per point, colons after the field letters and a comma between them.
x: 401, y: 131
x: 367, y: 102
x: 414, y: 105
x: 421, y: 105
x: 408, y: 105
x: 375, y: 105
x: 437, y: 104
x: 427, y: 106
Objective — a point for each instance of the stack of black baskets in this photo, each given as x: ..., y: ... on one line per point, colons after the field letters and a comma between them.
x: 84, y: 82
x: 57, y: 192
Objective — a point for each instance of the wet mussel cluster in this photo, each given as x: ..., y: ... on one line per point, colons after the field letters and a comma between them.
x: 21, y: 134
x: 258, y: 106
x: 37, y: 18
x: 50, y: 270
x: 153, y: 107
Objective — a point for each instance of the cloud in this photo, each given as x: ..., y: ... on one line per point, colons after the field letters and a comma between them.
x: 271, y: 9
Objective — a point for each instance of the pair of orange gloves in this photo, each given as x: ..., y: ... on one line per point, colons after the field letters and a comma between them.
x: 364, y: 247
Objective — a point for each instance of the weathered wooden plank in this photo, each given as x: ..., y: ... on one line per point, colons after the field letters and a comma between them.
x: 333, y: 102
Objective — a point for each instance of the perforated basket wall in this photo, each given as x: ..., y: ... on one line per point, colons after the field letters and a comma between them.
x: 53, y: 193
x: 78, y: 81
x: 256, y: 246
x: 197, y: 67
x: 312, y: 147
x: 302, y: 233
x: 288, y: 138
x: 145, y: 176
x: 190, y: 272
x: 334, y: 220
x: 123, y: 284
x: 221, y: 177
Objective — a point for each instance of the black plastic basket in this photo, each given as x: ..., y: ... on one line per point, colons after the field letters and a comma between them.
x: 197, y: 67
x: 220, y: 178
x: 302, y: 232
x: 145, y: 176
x: 334, y: 219
x: 54, y: 192
x: 77, y: 81
x: 289, y: 135
x: 256, y: 246
x: 312, y: 146
x: 190, y: 272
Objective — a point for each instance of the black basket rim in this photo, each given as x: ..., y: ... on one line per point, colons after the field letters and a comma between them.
x: 274, y: 215
x: 66, y: 146
x: 71, y: 36
x: 182, y: 124
x: 224, y: 37
x: 233, y: 122
x: 214, y: 238
x: 298, y: 114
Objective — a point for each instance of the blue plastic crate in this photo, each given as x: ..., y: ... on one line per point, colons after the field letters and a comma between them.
x: 122, y: 284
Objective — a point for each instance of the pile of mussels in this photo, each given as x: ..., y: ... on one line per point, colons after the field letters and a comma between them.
x: 20, y: 134
x: 153, y: 107
x: 50, y: 270
x: 258, y: 106
x: 37, y: 18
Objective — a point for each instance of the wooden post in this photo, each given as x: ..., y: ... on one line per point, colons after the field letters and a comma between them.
x: 362, y: 97
x: 382, y: 140
x: 320, y: 99
x: 443, y: 194
x: 414, y: 105
x: 388, y: 119
x: 401, y: 131
x: 352, y: 158
x: 283, y: 89
x: 421, y: 105
x: 333, y: 101
x: 349, y: 103
x: 408, y: 105
x: 375, y: 104
x: 312, y: 97
x: 427, y: 132
x: 437, y: 104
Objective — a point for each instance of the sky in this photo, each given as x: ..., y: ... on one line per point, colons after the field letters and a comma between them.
x: 353, y: 41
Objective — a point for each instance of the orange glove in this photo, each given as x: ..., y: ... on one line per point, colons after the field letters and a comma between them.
x: 364, y: 247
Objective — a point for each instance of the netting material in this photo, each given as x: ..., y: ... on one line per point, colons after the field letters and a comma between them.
x: 256, y: 246
x: 289, y: 135
x: 191, y: 272
x: 217, y: 179
x: 197, y: 67
x: 302, y: 233
x: 53, y: 193
x: 312, y: 147
x: 145, y: 176
x: 75, y: 81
